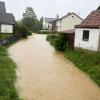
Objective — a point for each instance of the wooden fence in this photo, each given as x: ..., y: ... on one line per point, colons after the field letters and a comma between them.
x: 9, y: 40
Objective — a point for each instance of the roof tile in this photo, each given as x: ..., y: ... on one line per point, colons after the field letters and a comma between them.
x: 92, y: 20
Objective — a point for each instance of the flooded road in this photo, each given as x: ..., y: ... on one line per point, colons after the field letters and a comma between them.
x: 44, y: 74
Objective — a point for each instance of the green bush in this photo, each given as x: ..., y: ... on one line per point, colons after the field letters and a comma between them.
x: 51, y: 38
x: 5, y: 35
x: 58, y: 41
x: 22, y: 30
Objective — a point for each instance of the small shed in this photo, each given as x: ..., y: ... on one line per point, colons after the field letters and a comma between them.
x: 87, y: 34
x: 69, y: 34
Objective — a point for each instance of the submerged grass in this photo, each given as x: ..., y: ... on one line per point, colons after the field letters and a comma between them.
x: 7, y: 77
x: 87, y: 61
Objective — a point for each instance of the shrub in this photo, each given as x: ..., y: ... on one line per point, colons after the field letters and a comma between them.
x: 58, y: 41
x: 5, y: 35
x: 23, y: 30
x: 51, y: 38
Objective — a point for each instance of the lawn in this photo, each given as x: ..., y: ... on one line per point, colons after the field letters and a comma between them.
x: 87, y: 61
x: 7, y: 77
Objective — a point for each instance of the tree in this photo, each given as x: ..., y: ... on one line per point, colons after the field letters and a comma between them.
x: 22, y: 30
x: 41, y: 23
x: 38, y: 25
x: 29, y: 18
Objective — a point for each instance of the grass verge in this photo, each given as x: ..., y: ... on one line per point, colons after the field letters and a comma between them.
x: 87, y: 61
x: 5, y: 35
x: 7, y: 77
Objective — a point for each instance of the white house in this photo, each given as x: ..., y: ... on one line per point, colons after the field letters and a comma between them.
x: 47, y: 23
x: 7, y: 20
x: 66, y: 22
x: 87, y: 34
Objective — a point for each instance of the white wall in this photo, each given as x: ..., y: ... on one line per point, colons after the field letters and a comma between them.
x: 58, y: 25
x: 6, y: 28
x: 92, y: 43
x: 69, y: 22
x: 45, y: 25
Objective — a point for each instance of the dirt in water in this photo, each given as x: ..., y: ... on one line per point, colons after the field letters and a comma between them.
x: 44, y: 74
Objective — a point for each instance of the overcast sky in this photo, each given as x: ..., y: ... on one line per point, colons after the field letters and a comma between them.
x: 50, y: 8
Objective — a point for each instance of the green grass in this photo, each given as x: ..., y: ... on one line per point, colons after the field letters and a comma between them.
x: 7, y: 77
x: 87, y: 61
x: 4, y: 35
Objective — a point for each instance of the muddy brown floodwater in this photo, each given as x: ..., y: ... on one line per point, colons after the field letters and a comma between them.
x: 44, y: 74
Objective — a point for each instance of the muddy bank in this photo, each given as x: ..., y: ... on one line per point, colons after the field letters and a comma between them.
x: 44, y: 74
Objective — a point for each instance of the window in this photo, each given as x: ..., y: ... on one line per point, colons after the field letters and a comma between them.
x: 48, y: 26
x: 85, y: 35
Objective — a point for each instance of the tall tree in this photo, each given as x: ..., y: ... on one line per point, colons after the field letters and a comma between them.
x: 41, y: 23
x: 29, y: 18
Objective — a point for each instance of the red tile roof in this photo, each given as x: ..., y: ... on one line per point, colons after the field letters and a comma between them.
x: 92, y: 20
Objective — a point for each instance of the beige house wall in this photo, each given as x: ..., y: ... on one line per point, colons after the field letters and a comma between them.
x: 69, y: 22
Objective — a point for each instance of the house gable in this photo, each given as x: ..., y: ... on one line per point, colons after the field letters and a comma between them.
x: 68, y: 22
x: 7, y: 20
x: 6, y: 28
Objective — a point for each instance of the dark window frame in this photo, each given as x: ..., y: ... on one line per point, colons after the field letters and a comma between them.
x: 85, y: 35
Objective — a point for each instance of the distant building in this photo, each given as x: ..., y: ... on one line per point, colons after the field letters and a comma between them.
x: 66, y: 26
x: 7, y: 20
x: 66, y: 22
x: 87, y: 34
x: 47, y: 23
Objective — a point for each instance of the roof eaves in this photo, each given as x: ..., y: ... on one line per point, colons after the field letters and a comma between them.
x: 87, y: 26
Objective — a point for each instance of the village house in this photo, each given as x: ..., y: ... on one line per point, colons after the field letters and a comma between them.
x: 7, y: 20
x: 66, y: 26
x: 87, y: 34
x: 66, y: 22
x: 47, y: 23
